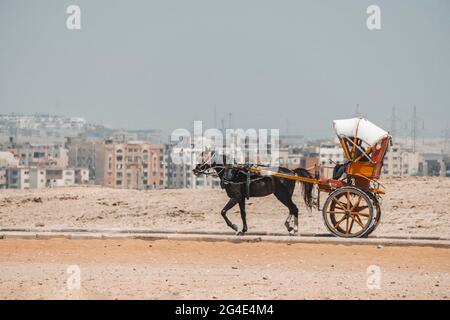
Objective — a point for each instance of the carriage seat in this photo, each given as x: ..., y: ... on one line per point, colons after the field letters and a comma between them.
x: 371, y: 170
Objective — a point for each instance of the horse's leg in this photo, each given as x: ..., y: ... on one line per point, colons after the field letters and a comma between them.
x: 243, y: 217
x: 285, y: 198
x: 230, y: 204
x: 293, y: 210
x: 287, y: 223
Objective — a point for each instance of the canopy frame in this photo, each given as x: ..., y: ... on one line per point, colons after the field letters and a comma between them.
x: 353, y: 143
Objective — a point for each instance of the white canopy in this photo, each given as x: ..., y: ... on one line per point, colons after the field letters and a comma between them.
x: 362, y: 128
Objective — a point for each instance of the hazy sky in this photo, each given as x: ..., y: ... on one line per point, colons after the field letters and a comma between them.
x: 161, y: 64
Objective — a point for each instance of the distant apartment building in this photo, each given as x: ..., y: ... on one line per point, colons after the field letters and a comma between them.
x: 40, y: 127
x: 293, y: 158
x: 434, y: 164
x: 18, y: 178
x: 3, y: 181
x: 179, y: 176
x: 38, y: 178
x: 42, y: 155
x: 401, y: 162
x: 58, y: 177
x: 133, y: 165
x: 179, y: 173
x: 152, y: 136
x: 82, y: 176
x: 87, y: 153
x: 329, y: 155
x: 8, y: 159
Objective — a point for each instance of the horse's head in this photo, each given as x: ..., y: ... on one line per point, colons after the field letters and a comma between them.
x: 206, y: 161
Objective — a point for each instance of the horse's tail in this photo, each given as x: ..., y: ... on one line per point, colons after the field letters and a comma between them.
x: 307, y: 186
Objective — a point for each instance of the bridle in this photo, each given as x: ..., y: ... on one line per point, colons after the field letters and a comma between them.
x: 207, y: 167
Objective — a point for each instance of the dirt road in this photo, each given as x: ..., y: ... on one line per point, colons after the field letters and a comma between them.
x: 169, y: 269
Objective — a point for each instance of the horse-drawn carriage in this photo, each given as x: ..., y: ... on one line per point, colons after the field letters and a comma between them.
x: 352, y: 208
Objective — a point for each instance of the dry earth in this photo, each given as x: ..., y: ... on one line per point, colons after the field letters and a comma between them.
x: 412, y: 206
x: 169, y: 269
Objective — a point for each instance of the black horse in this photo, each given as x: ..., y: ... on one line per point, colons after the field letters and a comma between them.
x: 235, y: 182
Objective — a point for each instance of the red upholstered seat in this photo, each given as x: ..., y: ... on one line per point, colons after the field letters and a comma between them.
x: 379, y: 151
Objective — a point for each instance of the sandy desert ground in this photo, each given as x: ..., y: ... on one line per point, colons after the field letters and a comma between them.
x: 169, y: 269
x: 412, y: 206
x: 173, y: 269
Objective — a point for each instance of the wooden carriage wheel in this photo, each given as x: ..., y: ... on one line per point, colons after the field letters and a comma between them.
x: 377, y: 217
x: 348, y: 212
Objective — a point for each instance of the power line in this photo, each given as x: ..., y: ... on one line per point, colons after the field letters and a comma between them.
x: 415, y: 128
x: 446, y: 139
x: 230, y: 115
x: 393, y: 119
x: 357, y: 113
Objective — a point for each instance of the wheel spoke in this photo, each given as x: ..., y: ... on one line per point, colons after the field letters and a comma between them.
x: 346, y: 225
x: 356, y: 205
x: 351, y: 225
x: 348, y: 201
x: 340, y: 204
x: 335, y: 212
x: 339, y: 222
x: 358, y: 221
x: 364, y: 214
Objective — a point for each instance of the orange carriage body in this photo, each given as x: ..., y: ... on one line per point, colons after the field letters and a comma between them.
x: 371, y: 169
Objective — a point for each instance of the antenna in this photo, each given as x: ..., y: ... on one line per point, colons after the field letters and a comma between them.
x: 415, y: 128
x: 230, y: 115
x: 446, y: 139
x: 357, y: 113
x: 393, y: 120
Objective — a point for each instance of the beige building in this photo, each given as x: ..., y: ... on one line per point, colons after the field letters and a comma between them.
x: 87, y: 153
x: 133, y: 165
x: 401, y: 162
x: 57, y: 177
x: 7, y: 159
x: 43, y: 155
x: 81, y: 175
x: 329, y: 155
x: 3, y: 182
x: 18, y: 178
x: 38, y: 178
x: 293, y: 160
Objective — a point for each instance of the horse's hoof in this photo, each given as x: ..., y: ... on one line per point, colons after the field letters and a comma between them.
x: 234, y: 227
x: 290, y: 229
x: 240, y: 233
